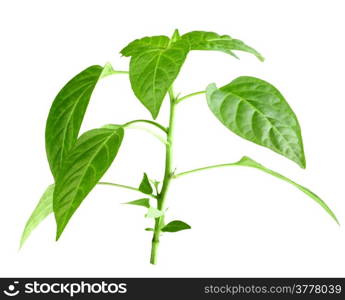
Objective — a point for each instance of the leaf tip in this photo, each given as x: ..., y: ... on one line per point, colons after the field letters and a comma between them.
x: 260, y: 58
x: 22, y: 240
x: 59, y: 231
x: 332, y: 214
x: 57, y: 237
x: 176, y: 36
x: 302, y: 163
x: 154, y: 114
x: 21, y: 244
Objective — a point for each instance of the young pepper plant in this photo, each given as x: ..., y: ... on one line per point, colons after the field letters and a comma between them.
x: 250, y: 107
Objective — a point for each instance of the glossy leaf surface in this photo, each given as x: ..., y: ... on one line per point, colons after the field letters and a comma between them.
x: 67, y: 112
x: 202, y: 40
x: 83, y: 167
x: 154, y: 65
x: 257, y: 111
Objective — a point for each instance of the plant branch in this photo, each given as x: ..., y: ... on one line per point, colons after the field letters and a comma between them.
x: 120, y: 72
x: 125, y: 187
x: 204, y: 168
x: 248, y: 162
x: 178, y: 100
x: 160, y: 138
x: 161, y: 127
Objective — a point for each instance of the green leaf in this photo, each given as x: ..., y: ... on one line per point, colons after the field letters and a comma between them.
x: 153, y: 213
x: 248, y: 162
x: 149, y: 229
x: 145, y: 185
x: 67, y: 112
x: 141, y: 202
x: 154, y: 65
x: 107, y: 70
x: 82, y: 168
x: 175, y: 37
x: 202, y: 40
x: 144, y: 44
x: 175, y: 226
x: 41, y: 211
x: 256, y: 111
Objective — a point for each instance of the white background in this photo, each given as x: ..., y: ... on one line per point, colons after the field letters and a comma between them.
x: 245, y: 223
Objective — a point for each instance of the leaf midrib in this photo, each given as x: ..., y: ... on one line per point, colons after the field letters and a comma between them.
x: 68, y: 121
x: 154, y: 77
x: 268, y: 120
x: 86, y: 168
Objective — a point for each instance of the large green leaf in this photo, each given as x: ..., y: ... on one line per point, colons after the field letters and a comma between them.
x: 154, y: 65
x: 42, y: 210
x: 248, y: 162
x: 256, y: 111
x: 82, y: 168
x: 202, y: 40
x: 67, y: 112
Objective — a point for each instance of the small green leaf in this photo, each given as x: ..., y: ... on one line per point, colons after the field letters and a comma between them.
x: 82, y: 168
x: 175, y: 226
x: 256, y: 111
x: 156, y: 185
x: 43, y: 209
x: 67, y: 113
x: 149, y: 229
x: 154, y: 213
x: 141, y: 202
x: 145, y: 185
x: 202, y: 40
x: 175, y: 37
x: 155, y: 64
x: 248, y: 162
x: 107, y: 70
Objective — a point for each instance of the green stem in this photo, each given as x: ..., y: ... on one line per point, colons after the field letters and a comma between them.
x: 149, y: 122
x: 120, y: 72
x: 168, y: 174
x: 204, y: 168
x: 154, y: 134
x: 125, y: 187
x: 189, y: 95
